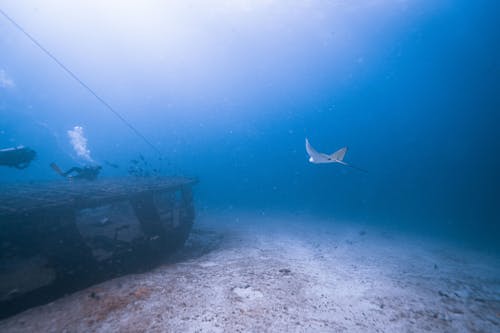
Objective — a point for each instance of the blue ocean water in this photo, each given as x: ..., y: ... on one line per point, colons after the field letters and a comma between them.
x: 228, y: 92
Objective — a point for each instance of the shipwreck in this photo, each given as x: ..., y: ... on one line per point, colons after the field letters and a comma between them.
x: 59, y: 237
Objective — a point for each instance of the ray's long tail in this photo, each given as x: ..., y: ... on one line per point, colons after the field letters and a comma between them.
x: 355, y: 167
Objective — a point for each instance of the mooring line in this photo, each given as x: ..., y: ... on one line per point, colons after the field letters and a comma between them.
x: 83, y: 84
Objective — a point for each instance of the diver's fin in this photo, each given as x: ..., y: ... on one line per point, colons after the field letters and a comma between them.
x: 56, y: 168
x: 339, y: 154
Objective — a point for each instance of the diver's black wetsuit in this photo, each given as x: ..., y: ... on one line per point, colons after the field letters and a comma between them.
x: 87, y: 172
x: 19, y: 157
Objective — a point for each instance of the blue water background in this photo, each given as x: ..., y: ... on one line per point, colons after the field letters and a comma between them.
x: 229, y: 95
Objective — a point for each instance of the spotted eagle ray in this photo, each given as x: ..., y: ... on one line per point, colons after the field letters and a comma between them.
x: 337, y: 157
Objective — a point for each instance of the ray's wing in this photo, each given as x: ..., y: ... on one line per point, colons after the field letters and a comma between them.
x: 339, y: 154
x: 312, y: 152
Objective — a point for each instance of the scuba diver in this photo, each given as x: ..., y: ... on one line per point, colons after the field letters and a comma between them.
x: 87, y: 172
x: 18, y: 157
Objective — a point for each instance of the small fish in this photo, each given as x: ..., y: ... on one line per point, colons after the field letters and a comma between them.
x: 13, y: 292
x: 113, y: 165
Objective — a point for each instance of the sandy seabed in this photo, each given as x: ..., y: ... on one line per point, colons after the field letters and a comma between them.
x: 256, y: 272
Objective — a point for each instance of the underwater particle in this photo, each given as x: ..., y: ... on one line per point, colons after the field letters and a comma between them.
x: 105, y: 220
x: 5, y: 81
x: 12, y: 293
x: 285, y: 271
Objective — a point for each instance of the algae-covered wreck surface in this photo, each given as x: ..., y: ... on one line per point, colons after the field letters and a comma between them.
x: 58, y: 237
